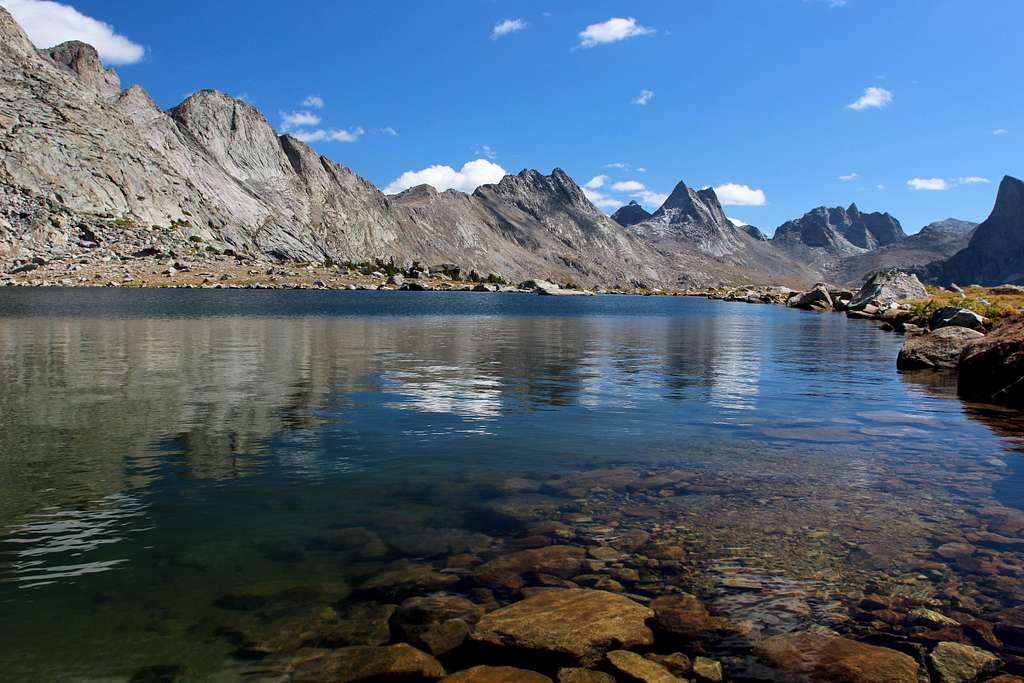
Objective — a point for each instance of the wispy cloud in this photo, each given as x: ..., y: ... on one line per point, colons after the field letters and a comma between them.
x: 388, y: 130
x: 601, y: 200
x: 644, y: 98
x: 849, y: 177
x: 650, y: 199
x: 972, y: 180
x: 321, y: 135
x: 617, y: 164
x: 873, y: 98
x: 934, y: 184
x: 596, y: 182
x: 506, y: 26
x: 734, y: 194
x: 612, y: 31
x: 486, y: 151
x: 472, y: 175
x: 51, y: 23
x: 628, y: 186
x: 1000, y: 131
x: 296, y: 119
x: 314, y: 101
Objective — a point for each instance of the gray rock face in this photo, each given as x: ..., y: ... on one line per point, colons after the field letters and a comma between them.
x: 838, y: 231
x: 886, y: 287
x: 938, y: 349
x: 631, y: 214
x: 995, y: 254
x: 696, y: 217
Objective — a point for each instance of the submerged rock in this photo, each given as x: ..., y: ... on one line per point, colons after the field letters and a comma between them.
x: 938, y: 349
x: 682, y: 614
x: 558, y: 560
x: 572, y: 675
x: 830, y: 657
x: 575, y: 624
x: 496, y: 674
x: 352, y: 664
x: 636, y: 668
x: 957, y: 663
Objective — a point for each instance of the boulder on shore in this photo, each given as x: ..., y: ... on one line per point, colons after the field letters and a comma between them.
x: 575, y: 624
x: 938, y: 349
x: 992, y: 369
x: 886, y: 288
x: 817, y: 299
x: 953, y: 316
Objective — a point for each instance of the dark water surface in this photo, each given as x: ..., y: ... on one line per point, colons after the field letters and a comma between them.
x: 160, y: 450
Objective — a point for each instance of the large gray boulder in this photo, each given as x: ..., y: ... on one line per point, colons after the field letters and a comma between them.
x: 938, y: 349
x: 887, y: 287
x: 952, y: 316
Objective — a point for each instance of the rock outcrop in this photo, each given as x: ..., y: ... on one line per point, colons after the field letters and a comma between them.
x: 631, y: 214
x: 885, y: 288
x: 935, y: 241
x: 992, y: 369
x: 828, y: 657
x: 995, y: 254
x: 938, y: 349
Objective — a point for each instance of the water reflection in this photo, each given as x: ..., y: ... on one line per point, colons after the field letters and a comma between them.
x: 146, y: 453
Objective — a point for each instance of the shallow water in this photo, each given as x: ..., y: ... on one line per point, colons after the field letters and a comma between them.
x: 160, y: 450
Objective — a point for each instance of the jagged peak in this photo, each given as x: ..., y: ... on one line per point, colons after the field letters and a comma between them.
x: 1009, y: 199
x: 12, y: 36
x: 84, y: 62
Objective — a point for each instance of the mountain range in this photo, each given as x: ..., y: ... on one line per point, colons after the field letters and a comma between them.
x: 78, y: 153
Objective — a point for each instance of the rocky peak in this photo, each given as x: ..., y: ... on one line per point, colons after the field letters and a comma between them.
x: 1009, y: 207
x: 84, y: 61
x: 995, y: 254
x: 234, y: 133
x: 686, y: 206
x: 630, y: 214
x: 12, y: 37
x: 840, y: 231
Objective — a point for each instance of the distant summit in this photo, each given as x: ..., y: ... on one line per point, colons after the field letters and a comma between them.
x: 631, y: 214
x: 838, y: 231
x: 995, y: 254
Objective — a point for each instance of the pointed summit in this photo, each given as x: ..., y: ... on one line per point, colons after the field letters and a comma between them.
x: 995, y: 254
x: 84, y: 61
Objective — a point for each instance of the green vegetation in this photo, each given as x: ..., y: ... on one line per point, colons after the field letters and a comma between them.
x: 993, y: 309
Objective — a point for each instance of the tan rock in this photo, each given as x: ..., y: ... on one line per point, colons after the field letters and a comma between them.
x: 584, y: 676
x: 708, y: 670
x: 637, y: 668
x: 682, y: 614
x: 496, y: 674
x: 352, y: 664
x: 830, y: 657
x: 562, y: 561
x: 957, y: 663
x: 576, y: 624
x: 677, y: 663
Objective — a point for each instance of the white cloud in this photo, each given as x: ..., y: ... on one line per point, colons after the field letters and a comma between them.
x: 972, y: 180
x: 617, y: 164
x: 596, y: 182
x: 487, y: 151
x: 506, y: 26
x: 296, y: 119
x: 612, y: 31
x: 650, y: 199
x: 314, y: 101
x: 847, y: 178
x: 928, y: 184
x: 737, y: 222
x: 641, y: 169
x: 1000, y: 131
x: 50, y: 23
x: 602, y: 201
x: 734, y: 194
x: 644, y: 98
x: 472, y: 175
x: 873, y: 97
x: 388, y: 130
x: 321, y: 135
x: 628, y: 186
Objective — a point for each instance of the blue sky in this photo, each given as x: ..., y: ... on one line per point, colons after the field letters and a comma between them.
x: 744, y: 93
